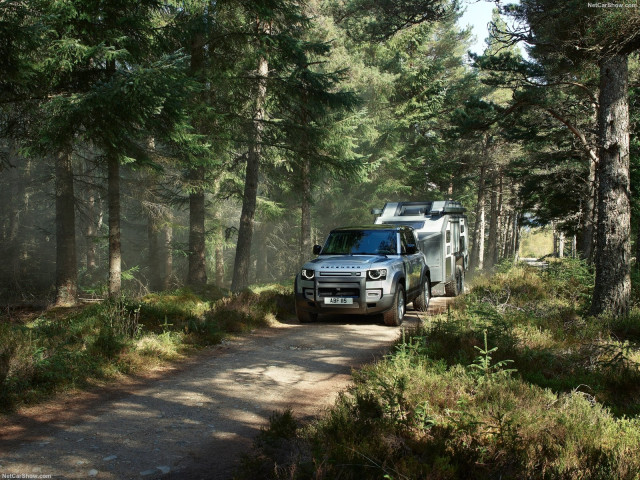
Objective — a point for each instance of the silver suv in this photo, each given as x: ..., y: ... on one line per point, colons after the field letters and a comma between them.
x: 364, y: 270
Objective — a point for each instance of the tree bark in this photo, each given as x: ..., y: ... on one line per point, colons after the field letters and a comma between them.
x: 90, y: 234
x: 477, y: 249
x: 305, y: 218
x: 16, y: 201
x: 262, y: 256
x: 612, y: 290
x: 66, y: 262
x: 113, y: 199
x: 492, y: 247
x: 197, y: 274
x: 168, y: 256
x: 590, y: 214
x: 219, y: 264
x: 197, y: 239
x: 155, y: 265
x: 507, y: 242
x: 245, y: 232
x: 219, y: 249
x: 517, y: 237
x: 499, y: 220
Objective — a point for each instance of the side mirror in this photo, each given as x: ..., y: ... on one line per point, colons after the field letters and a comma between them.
x: 411, y: 249
x: 376, y: 211
x: 317, y: 249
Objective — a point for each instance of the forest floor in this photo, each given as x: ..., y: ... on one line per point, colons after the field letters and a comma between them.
x: 194, y: 419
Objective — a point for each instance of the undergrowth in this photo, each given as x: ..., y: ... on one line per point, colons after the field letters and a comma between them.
x: 72, y: 348
x: 516, y: 381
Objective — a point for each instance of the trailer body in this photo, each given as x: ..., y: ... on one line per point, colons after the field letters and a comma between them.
x: 441, y: 229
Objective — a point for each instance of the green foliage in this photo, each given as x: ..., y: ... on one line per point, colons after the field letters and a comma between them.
x: 443, y: 405
x: 69, y: 348
x: 482, y: 366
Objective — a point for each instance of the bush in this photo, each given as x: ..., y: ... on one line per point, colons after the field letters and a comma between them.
x: 514, y: 382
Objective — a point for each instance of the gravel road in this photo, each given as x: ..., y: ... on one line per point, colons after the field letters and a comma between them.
x: 193, y: 421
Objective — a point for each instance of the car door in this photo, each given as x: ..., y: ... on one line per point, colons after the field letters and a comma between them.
x: 412, y: 262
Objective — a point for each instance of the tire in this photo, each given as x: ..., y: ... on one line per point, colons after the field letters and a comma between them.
x: 421, y: 302
x: 393, y: 317
x: 306, y: 317
x: 455, y: 288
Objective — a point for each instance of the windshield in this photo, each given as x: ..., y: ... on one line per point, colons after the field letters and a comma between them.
x: 361, y: 242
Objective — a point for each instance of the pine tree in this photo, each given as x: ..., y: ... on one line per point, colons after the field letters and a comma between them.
x: 574, y: 35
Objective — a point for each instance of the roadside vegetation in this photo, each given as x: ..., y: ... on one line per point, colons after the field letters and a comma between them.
x: 514, y: 381
x: 64, y: 348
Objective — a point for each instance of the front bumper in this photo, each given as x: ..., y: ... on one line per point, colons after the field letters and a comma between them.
x: 366, y: 297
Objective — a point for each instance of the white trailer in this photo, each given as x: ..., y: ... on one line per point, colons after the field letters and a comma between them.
x: 441, y: 227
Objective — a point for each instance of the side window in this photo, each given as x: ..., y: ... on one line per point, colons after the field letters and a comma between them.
x: 407, y: 238
x: 448, y: 239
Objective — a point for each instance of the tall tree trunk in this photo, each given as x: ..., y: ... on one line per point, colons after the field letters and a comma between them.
x: 219, y: 249
x: 167, y: 255
x: 477, y: 249
x: 492, y: 247
x: 590, y: 214
x: 507, y: 243
x: 88, y: 222
x: 197, y: 274
x: 517, y: 237
x: 13, y: 246
x: 499, y: 220
x: 638, y: 249
x: 66, y: 262
x: 197, y: 239
x: 612, y: 290
x: 113, y: 199
x: 262, y: 254
x: 219, y: 264
x: 153, y: 240
x: 245, y: 232
x: 305, y: 218
x: 90, y: 233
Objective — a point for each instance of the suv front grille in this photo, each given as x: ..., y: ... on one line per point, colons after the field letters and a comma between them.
x: 339, y: 292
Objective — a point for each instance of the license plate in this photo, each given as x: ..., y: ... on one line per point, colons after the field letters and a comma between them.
x: 338, y: 301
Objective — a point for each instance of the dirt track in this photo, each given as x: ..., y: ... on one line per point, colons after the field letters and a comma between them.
x: 194, y: 421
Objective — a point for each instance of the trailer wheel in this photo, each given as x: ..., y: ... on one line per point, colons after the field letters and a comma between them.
x: 421, y: 302
x: 455, y: 288
x: 393, y: 317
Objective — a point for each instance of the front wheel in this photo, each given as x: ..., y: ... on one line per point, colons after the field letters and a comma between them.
x: 306, y: 317
x: 393, y: 317
x: 421, y: 302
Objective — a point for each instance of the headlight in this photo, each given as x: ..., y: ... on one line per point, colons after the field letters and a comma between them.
x: 308, y: 274
x: 379, y: 274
